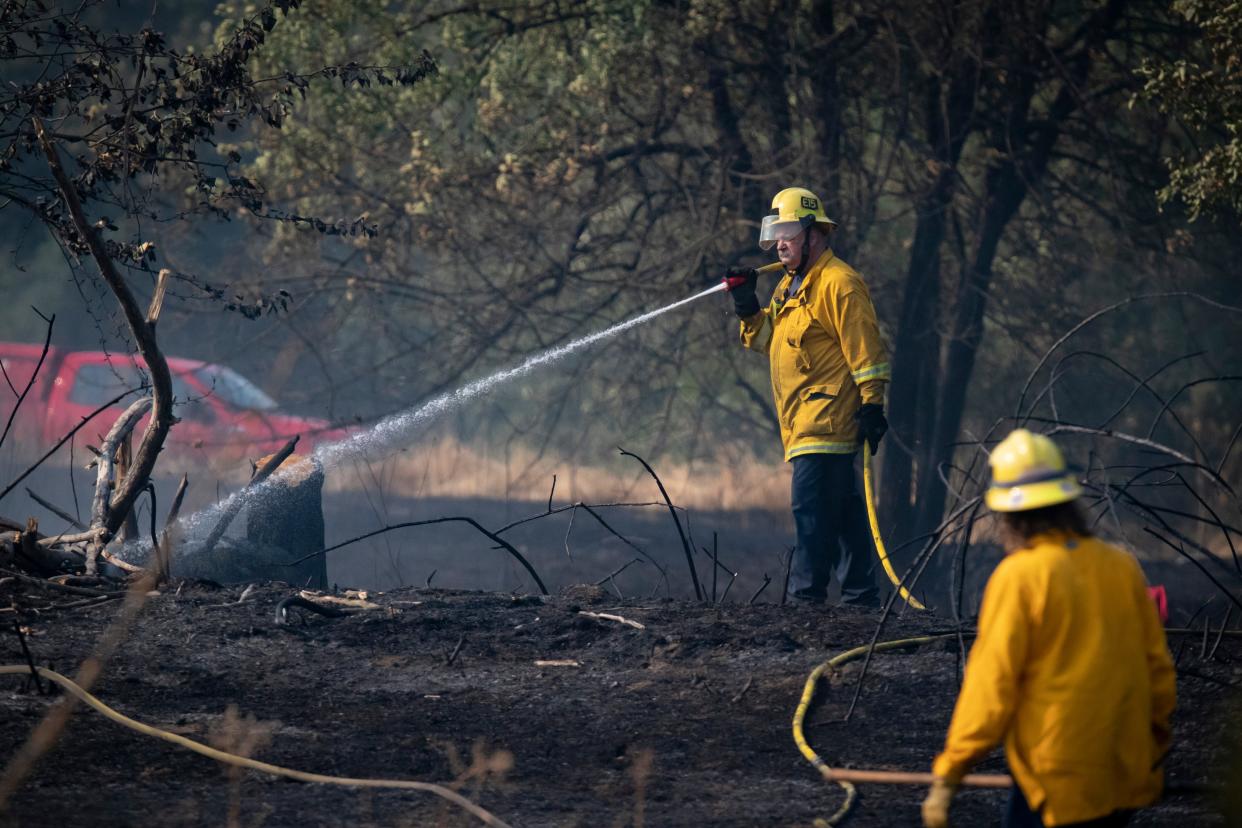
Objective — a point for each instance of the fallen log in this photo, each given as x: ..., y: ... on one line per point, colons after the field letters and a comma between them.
x: 52, y: 586
x: 337, y: 601
x: 31, y: 552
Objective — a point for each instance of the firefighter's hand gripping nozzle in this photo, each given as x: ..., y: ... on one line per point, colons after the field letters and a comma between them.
x: 741, y: 283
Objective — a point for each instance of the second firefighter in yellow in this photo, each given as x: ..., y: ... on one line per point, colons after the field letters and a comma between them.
x: 1070, y: 668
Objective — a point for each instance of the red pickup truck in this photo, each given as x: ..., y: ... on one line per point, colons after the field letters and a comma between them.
x: 221, y: 411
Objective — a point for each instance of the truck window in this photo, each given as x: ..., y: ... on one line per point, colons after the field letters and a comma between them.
x: 234, y: 389
x: 97, y: 383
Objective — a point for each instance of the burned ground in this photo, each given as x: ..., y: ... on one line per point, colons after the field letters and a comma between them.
x: 684, y: 722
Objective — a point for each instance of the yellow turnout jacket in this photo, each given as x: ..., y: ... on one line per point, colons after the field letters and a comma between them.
x: 827, y: 356
x: 1071, y: 668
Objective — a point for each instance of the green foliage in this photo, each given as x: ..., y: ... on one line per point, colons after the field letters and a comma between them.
x: 1201, y: 86
x: 137, y: 122
x: 563, y: 172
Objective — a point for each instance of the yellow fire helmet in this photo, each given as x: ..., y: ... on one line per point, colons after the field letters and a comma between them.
x: 793, y: 210
x: 1028, y: 472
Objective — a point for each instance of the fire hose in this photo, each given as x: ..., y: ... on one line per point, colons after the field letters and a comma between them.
x: 847, y: 777
x: 253, y: 764
x: 869, y: 490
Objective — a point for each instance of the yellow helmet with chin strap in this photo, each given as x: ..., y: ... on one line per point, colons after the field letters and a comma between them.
x: 1028, y: 472
x: 793, y: 210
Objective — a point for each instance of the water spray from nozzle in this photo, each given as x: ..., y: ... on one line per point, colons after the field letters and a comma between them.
x: 396, y: 431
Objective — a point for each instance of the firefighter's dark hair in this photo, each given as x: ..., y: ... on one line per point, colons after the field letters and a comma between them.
x: 1019, y: 527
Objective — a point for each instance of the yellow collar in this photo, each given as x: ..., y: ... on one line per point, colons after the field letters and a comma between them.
x: 814, y: 270
x: 1055, y: 537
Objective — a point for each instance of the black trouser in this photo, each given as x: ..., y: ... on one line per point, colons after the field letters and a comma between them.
x: 830, y: 520
x: 1018, y: 814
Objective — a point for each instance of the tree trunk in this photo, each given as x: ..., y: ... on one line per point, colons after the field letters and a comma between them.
x: 917, y: 343
x: 1006, y: 192
x: 828, y: 110
x: 1022, y: 139
x: 915, y: 346
x: 734, y: 154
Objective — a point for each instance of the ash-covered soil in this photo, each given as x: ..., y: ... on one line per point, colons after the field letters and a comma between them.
x: 685, y: 722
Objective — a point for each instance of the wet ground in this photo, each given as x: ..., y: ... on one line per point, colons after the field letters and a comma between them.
x: 683, y: 722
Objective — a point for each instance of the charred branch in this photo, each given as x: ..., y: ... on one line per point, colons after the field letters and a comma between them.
x: 34, y: 553
x: 617, y: 571
x: 1228, y: 593
x: 282, y: 609
x: 52, y: 586
x: 238, y: 501
x: 59, y: 443
x: 102, y: 503
x: 54, y: 509
x: 34, y: 375
x: 766, y: 580
x: 103, y: 521
x: 163, y: 547
x: 592, y: 509
x: 908, y: 580
x: 493, y: 536
x: 685, y: 543
x: 1182, y: 294
x: 144, y: 336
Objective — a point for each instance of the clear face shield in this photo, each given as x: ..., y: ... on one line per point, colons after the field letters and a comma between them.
x: 772, y: 230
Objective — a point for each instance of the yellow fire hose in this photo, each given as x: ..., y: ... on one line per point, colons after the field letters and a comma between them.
x: 253, y: 764
x: 868, y: 489
x: 847, y: 778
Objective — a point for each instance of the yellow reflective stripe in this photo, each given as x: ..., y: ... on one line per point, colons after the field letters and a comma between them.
x: 880, y: 371
x: 822, y: 448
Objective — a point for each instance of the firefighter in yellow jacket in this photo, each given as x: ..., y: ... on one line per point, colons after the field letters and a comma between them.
x: 829, y: 366
x: 1070, y: 669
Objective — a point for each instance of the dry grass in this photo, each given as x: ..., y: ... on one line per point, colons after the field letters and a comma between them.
x: 442, y: 466
x: 449, y: 468
x: 241, y: 736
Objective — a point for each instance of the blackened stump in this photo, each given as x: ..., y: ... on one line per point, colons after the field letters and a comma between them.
x: 289, y: 517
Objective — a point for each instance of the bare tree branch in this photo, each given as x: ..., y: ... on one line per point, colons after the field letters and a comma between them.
x: 144, y: 336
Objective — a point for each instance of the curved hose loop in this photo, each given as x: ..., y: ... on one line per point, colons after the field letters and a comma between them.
x: 804, y: 704
x: 485, y: 816
x: 840, y: 777
x: 875, y: 532
x: 846, y: 777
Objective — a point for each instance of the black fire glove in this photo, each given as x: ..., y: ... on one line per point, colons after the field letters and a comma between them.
x: 871, y: 424
x: 741, y: 283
